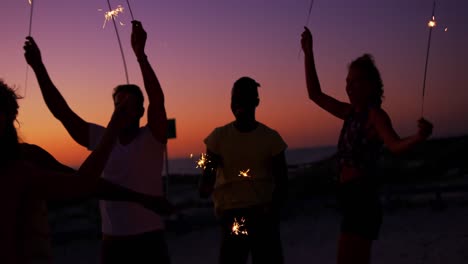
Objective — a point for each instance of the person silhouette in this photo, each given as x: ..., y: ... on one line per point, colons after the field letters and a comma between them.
x: 366, y: 128
x: 130, y: 233
x: 247, y: 175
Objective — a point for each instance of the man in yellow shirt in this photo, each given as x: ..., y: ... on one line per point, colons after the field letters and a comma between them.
x: 246, y: 174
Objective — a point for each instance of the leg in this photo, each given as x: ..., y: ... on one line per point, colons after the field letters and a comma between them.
x: 353, y: 249
x: 234, y: 248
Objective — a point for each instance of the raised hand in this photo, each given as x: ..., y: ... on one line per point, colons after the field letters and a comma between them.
x: 424, y: 128
x: 138, y: 38
x: 32, y: 54
x: 306, y: 41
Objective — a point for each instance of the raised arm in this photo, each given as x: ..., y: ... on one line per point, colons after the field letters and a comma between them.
x: 157, y: 119
x: 328, y: 103
x: 383, y: 125
x: 75, y: 125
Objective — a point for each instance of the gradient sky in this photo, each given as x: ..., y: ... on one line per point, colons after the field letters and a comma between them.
x: 199, y: 48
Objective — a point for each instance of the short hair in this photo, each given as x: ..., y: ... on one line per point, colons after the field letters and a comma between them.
x: 131, y: 89
x: 366, y: 63
x: 247, y: 85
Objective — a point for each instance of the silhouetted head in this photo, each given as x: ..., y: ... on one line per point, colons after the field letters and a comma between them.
x: 135, y: 109
x: 9, y: 145
x: 244, y: 98
x: 363, y: 84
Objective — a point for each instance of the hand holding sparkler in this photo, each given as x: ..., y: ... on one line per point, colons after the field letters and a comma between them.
x: 32, y: 54
x: 424, y: 128
x: 306, y: 41
x: 138, y: 39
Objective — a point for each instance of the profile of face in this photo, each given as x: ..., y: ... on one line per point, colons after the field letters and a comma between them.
x: 358, y: 87
x: 243, y: 103
x: 133, y: 109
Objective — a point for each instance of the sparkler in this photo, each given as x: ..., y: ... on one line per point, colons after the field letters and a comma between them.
x: 431, y: 24
x: 118, y: 37
x: 31, y: 10
x: 238, y: 227
x: 203, y: 161
x: 112, y: 14
x: 244, y: 174
x: 130, y: 9
x: 307, y: 21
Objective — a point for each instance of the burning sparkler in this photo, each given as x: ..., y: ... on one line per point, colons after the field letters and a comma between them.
x: 238, y: 227
x: 244, y: 174
x: 203, y: 161
x: 112, y: 14
x: 432, y: 23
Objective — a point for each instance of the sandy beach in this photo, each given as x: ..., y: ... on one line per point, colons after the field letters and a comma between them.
x: 410, y: 234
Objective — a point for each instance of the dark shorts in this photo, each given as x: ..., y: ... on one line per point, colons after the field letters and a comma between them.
x: 148, y: 247
x: 360, y: 208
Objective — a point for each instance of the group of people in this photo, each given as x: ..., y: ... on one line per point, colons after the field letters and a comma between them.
x: 246, y: 173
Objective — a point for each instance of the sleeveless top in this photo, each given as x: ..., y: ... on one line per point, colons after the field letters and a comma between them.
x: 354, y: 148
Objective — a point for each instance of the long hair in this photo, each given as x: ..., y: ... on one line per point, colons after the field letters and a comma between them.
x: 366, y: 63
x: 9, y: 142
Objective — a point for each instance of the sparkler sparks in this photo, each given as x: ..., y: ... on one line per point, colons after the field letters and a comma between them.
x: 245, y: 174
x: 112, y: 14
x: 238, y: 227
x: 432, y: 22
x: 203, y: 161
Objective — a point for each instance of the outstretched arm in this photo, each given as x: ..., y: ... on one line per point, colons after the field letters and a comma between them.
x: 52, y: 185
x: 328, y: 103
x: 105, y: 190
x: 157, y: 119
x: 383, y: 125
x: 75, y: 125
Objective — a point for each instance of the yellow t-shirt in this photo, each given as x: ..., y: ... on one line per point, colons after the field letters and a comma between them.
x: 240, y: 152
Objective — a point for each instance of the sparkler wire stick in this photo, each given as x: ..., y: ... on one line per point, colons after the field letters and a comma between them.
x: 120, y: 43
x: 431, y: 25
x: 31, y: 10
x: 130, y: 9
x: 31, y: 2
x: 307, y: 21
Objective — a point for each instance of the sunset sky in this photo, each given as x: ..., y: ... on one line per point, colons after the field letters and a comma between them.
x: 200, y: 47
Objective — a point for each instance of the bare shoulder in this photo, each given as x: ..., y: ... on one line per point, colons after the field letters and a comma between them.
x: 378, y: 115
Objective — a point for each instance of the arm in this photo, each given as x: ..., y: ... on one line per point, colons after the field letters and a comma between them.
x: 157, y: 119
x: 105, y: 190
x: 113, y: 192
x: 383, y: 125
x: 328, y: 103
x: 52, y: 185
x: 208, y: 177
x: 75, y: 125
x: 43, y: 159
x: 280, y: 175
